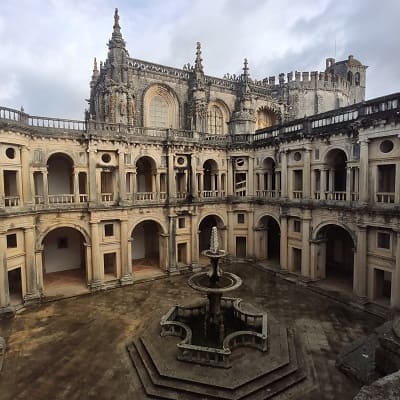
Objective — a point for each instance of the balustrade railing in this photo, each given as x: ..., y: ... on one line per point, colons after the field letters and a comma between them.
x: 270, y: 194
x: 83, y: 198
x: 61, y: 198
x: 181, y: 195
x: 11, y: 201
x: 146, y: 196
x: 107, y: 197
x: 337, y: 196
x: 297, y: 194
x: 385, y: 197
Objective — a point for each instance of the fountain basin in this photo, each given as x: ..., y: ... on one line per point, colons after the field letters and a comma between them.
x: 201, y: 282
x: 246, y: 329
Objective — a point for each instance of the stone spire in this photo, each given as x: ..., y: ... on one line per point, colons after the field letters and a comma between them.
x: 198, y: 65
x: 95, y: 74
x: 116, y: 37
x: 245, y: 74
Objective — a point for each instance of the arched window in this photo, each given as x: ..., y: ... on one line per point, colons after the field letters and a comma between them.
x: 215, y: 120
x: 357, y: 79
x: 265, y: 118
x: 350, y: 77
x: 158, y: 112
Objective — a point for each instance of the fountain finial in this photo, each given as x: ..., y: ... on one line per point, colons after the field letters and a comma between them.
x: 214, y: 245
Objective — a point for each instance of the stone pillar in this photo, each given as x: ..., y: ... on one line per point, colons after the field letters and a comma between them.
x: 126, y: 266
x: 364, y: 187
x: 171, y: 178
x: 92, y: 176
x: 284, y: 175
x: 195, y: 242
x: 324, y: 173
x: 219, y: 188
x: 250, y: 234
x: 395, y: 300
x: 26, y: 176
x: 45, y: 187
x: 121, y: 176
x: 201, y: 184
x: 250, y: 174
x: 348, y: 183
x: 97, y: 262
x: 158, y: 185
x: 4, y: 288
x: 397, y: 186
x: 307, y: 174
x: 76, y: 186
x: 32, y: 292
x: 284, y: 242
x: 172, y: 267
x: 305, y: 241
x: 2, y: 193
x: 331, y: 181
x: 229, y: 179
x: 360, y: 263
x: 133, y: 185
x: 230, y: 241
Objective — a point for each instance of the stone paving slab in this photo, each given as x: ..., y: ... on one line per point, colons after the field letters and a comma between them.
x: 76, y: 348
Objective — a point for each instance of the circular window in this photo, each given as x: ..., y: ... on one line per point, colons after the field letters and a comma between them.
x: 386, y: 146
x: 297, y: 156
x: 10, y: 152
x: 180, y: 160
x: 106, y: 158
x: 240, y: 162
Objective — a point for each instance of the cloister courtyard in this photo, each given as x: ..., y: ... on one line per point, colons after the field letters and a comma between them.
x: 75, y: 348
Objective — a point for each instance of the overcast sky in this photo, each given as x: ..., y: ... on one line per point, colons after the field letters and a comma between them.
x: 47, y: 46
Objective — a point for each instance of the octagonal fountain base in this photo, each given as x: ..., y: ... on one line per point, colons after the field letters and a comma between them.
x: 282, y: 371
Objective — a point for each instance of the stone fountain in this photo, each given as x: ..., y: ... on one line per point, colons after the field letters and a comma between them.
x: 238, y: 353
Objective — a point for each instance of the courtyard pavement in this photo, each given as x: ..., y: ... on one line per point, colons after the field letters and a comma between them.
x: 76, y: 348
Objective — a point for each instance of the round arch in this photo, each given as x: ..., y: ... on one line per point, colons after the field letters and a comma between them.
x: 54, y: 153
x: 325, y: 154
x: 40, y: 238
x: 267, y: 116
x: 268, y: 215
x: 205, y: 226
x: 218, y: 117
x: 268, y: 238
x: 316, y: 233
x: 163, y: 231
x: 161, y: 107
x: 149, y: 157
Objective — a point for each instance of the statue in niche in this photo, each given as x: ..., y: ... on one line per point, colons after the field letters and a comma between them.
x: 122, y: 106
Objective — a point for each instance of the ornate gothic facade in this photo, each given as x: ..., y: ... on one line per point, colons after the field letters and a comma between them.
x: 299, y: 173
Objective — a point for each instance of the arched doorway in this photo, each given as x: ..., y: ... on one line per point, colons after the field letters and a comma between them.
x: 145, y: 175
x: 60, y: 178
x: 64, y: 262
x: 337, y: 252
x: 147, y: 252
x: 205, y: 227
x: 269, y: 239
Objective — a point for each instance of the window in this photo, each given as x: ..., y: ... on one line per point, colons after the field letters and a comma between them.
x: 106, y: 158
x: 297, y: 156
x: 158, y: 111
x: 296, y: 225
x: 215, y: 121
x: 109, y: 230
x: 181, y: 222
x: 128, y: 159
x: 386, y: 146
x: 12, y: 241
x: 357, y: 79
x: 240, y: 218
x: 10, y: 153
x: 383, y: 240
x: 316, y: 154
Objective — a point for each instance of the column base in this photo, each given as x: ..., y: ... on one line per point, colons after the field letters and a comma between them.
x: 32, y: 298
x: 173, y: 271
x: 126, y: 280
x: 195, y: 267
x: 95, y: 285
x: 6, y: 312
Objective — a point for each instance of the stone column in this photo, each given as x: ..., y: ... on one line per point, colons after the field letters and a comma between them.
x: 397, y: 186
x: 4, y: 288
x: 92, y: 176
x: 331, y: 181
x: 121, y: 177
x: 45, y: 187
x: 250, y: 234
x: 2, y: 193
x: 305, y: 241
x: 324, y: 173
x: 230, y: 241
x: 307, y: 174
x: 284, y: 242
x: 348, y: 183
x: 195, y: 242
x: 26, y: 176
x: 171, y: 178
x: 76, y: 186
x: 395, y: 299
x: 364, y: 187
x: 133, y: 186
x: 360, y: 263
x: 32, y: 292
x: 250, y: 173
x: 229, y: 178
x: 126, y: 270
x: 219, y: 188
x: 97, y: 262
x: 201, y: 184
x: 172, y: 267
x: 158, y: 185
x: 284, y: 175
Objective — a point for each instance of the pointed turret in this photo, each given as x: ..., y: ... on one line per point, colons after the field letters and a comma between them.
x: 245, y: 75
x: 95, y: 74
x: 198, y: 63
x: 116, y: 37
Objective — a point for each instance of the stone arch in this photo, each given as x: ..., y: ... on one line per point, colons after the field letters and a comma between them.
x: 161, y: 108
x: 44, y: 233
x: 148, y: 246
x: 267, y: 116
x: 268, y: 237
x: 61, y: 154
x: 146, y: 170
x: 218, y: 116
x: 336, y: 161
x: 206, y: 222
x: 60, y: 169
x: 316, y: 232
x: 268, y: 215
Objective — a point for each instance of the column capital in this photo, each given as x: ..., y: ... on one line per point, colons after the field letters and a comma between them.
x: 362, y: 227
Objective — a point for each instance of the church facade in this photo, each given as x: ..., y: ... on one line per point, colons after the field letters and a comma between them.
x: 297, y: 172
